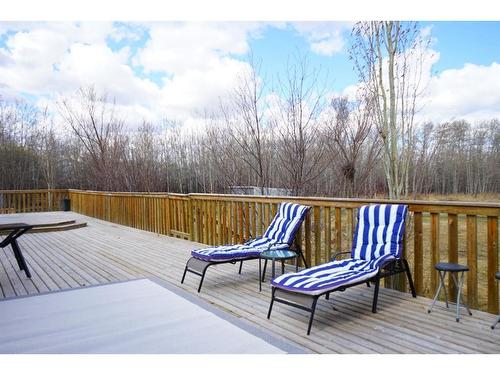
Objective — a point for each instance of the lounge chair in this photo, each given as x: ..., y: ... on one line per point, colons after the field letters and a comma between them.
x: 279, y: 235
x: 376, y: 253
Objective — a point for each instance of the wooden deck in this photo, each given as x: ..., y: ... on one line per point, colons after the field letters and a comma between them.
x: 104, y: 252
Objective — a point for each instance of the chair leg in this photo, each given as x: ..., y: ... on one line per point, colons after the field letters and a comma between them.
x: 201, y: 281
x: 282, y: 267
x: 368, y: 284
x: 264, y: 272
x: 303, y: 259
x: 241, y: 266
x: 184, y: 275
x: 260, y: 275
x: 442, y: 276
x: 271, y: 305
x: 375, y: 294
x: 313, y: 310
x: 458, y: 284
x: 410, y: 280
x: 20, y: 258
x: 494, y: 324
x: 436, y: 296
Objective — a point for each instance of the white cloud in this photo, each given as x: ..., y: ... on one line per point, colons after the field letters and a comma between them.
x: 471, y: 93
x: 201, y: 63
x: 179, y: 47
x: 51, y: 59
x: 30, y: 60
x: 108, y: 71
x: 324, y: 38
x: 202, y: 88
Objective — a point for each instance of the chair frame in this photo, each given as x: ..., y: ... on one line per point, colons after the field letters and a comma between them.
x: 199, y: 266
x: 308, y: 302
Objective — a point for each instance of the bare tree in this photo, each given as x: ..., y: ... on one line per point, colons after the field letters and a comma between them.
x: 296, y: 122
x: 245, y: 124
x: 93, y: 120
x: 48, y: 150
x: 388, y: 57
x: 353, y: 145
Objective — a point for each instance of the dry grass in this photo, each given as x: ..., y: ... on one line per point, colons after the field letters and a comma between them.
x: 485, y: 197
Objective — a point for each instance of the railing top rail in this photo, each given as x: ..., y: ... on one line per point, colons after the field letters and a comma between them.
x: 348, y: 200
x: 473, y: 208
x: 33, y: 191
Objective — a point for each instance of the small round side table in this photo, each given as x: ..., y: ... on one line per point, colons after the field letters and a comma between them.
x: 274, y: 255
x: 454, y: 269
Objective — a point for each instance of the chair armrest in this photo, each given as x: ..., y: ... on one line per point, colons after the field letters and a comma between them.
x: 278, y: 243
x: 334, y: 257
x: 251, y: 239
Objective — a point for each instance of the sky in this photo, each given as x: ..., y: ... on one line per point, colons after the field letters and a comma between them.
x: 179, y: 70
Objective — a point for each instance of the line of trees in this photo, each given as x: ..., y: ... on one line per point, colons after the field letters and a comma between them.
x: 339, y: 154
x: 291, y: 136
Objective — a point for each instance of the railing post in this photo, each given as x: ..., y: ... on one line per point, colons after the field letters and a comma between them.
x: 307, y: 230
x: 328, y: 233
x: 190, y: 219
x: 472, y: 260
x: 452, y: 251
x: 317, y: 235
x: 435, y: 249
x: 418, y: 253
x: 338, y: 229
x: 492, y: 239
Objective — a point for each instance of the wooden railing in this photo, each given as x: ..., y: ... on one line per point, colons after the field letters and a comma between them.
x: 15, y: 201
x: 436, y: 231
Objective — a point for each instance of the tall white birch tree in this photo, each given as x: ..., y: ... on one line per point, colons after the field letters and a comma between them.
x: 389, y: 57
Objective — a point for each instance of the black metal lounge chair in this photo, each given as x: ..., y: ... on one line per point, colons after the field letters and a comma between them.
x: 376, y: 253
x: 279, y: 235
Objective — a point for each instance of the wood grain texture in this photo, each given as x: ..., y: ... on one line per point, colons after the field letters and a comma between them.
x: 220, y: 218
x: 105, y: 252
x: 492, y: 264
x: 418, y: 253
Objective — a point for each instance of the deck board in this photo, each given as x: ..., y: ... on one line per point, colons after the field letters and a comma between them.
x: 104, y: 252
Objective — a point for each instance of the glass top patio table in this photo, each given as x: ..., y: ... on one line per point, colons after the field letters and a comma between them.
x: 273, y: 255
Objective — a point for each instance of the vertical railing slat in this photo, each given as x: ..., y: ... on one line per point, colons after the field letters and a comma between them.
x: 418, y: 255
x: 435, y: 250
x: 328, y: 233
x: 472, y: 260
x: 338, y: 229
x: 317, y: 235
x: 452, y: 251
x: 492, y: 245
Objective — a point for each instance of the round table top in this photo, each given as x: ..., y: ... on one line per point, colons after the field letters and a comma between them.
x: 451, y: 267
x: 278, y: 254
